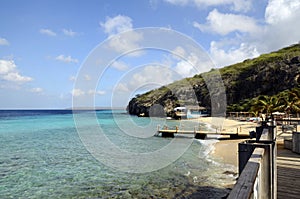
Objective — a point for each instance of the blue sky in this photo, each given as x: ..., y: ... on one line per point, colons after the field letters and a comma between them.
x: 44, y: 44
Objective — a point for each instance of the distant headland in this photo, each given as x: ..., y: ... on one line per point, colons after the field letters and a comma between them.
x: 267, y: 75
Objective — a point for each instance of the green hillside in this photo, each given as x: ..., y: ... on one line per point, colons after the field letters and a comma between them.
x: 269, y: 74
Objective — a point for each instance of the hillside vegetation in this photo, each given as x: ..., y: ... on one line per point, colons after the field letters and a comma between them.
x: 268, y: 75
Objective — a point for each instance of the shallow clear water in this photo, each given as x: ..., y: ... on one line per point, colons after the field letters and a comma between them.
x: 42, y: 156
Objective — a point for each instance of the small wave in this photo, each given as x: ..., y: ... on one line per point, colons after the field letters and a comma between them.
x: 208, y: 148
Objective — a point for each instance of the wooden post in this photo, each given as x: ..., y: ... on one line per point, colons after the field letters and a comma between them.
x: 158, y: 128
x: 167, y: 135
x: 200, y: 136
x: 296, y: 142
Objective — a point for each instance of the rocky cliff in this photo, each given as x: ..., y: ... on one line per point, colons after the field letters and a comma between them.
x: 268, y: 74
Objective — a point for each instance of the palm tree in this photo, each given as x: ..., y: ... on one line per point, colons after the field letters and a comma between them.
x: 266, y: 105
x: 291, y: 101
x: 254, y: 112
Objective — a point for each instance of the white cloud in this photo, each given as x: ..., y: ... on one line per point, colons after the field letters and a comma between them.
x: 186, y: 68
x: 226, y: 23
x: 178, y: 2
x: 236, y: 5
x: 148, y: 77
x: 119, y: 65
x: 179, y: 53
x: 77, y: 92
x: 280, y: 30
x: 280, y: 34
x: 3, y: 42
x: 280, y: 10
x: 48, y: 32
x: 81, y: 93
x: 95, y: 92
x: 9, y: 72
x: 101, y: 92
x: 36, y: 90
x: 122, y: 87
x: 72, y: 78
x: 16, y: 77
x: 116, y: 24
x: 233, y: 55
x: 125, y: 42
x: 64, y: 96
x: 153, y: 4
x: 66, y: 59
x: 69, y: 32
x: 152, y: 75
x: 7, y: 66
x: 188, y: 63
x: 87, y: 77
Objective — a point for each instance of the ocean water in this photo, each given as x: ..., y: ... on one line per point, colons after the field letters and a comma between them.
x: 42, y: 156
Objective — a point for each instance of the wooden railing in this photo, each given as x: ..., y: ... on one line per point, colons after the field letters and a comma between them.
x: 296, y: 142
x: 257, y: 167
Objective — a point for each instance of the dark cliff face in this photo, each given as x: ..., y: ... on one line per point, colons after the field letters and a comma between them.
x: 154, y: 104
x: 268, y: 74
x: 263, y: 79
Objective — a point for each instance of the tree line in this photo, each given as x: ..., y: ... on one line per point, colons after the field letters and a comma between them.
x: 287, y: 102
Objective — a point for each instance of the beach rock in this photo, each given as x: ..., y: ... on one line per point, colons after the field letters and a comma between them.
x: 230, y: 173
x: 209, y: 193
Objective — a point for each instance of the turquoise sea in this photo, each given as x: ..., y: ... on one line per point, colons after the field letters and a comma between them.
x: 42, y: 156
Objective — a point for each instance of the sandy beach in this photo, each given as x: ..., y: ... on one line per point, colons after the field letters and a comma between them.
x: 229, y: 125
x: 226, y: 150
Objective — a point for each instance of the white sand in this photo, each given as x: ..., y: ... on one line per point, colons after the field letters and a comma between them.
x: 226, y: 150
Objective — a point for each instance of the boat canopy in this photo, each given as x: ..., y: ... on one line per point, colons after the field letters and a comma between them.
x: 180, y: 109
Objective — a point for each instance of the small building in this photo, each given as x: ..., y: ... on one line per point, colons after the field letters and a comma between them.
x: 180, y: 113
x: 190, y: 112
x: 197, y: 111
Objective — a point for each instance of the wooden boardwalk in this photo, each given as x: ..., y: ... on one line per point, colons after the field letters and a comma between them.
x: 197, y: 134
x: 288, y: 174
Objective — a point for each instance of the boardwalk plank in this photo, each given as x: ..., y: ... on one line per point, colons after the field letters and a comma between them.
x: 288, y: 174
